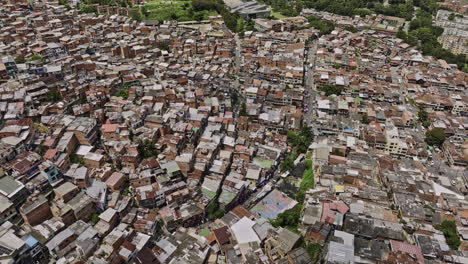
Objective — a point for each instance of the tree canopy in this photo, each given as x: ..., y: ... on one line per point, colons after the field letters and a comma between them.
x: 330, y: 89
x: 435, y: 137
x: 449, y: 228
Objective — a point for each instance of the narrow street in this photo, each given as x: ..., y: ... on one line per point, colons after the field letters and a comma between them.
x: 309, y: 84
x: 238, y: 51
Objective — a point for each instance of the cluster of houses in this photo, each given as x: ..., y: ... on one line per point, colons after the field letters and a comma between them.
x: 455, y: 35
x: 122, y: 142
x: 381, y: 189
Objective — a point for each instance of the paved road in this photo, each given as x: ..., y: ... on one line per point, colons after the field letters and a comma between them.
x: 238, y: 53
x: 309, y: 84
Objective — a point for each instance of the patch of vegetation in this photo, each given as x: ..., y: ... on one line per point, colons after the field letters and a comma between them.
x: 285, y: 8
x: 288, y: 219
x: 40, y: 149
x: 288, y: 163
x: 325, y: 27
x: 135, y: 14
x: 53, y: 96
x: 20, y: 60
x: 342, y: 7
x: 435, y: 137
x: 86, y: 6
x: 301, y: 140
x: 451, y: 17
x: 126, y: 192
x: 422, y: 115
x: 277, y: 15
x: 336, y: 65
x: 180, y: 10
x: 424, y: 35
x: 336, y: 152
x: 231, y: 20
x: 76, y: 159
x: 426, y: 124
x: 123, y: 92
x: 36, y: 58
x: 147, y: 149
x: 365, y: 119
x: 164, y: 46
x: 314, y: 251
x: 40, y: 128
x: 351, y: 29
x: 307, y: 181
x: 330, y: 89
x: 65, y: 3
x: 86, y: 9
x: 213, y: 210
x: 94, y: 218
x: 449, y: 228
x: 403, y: 9
x: 243, y: 110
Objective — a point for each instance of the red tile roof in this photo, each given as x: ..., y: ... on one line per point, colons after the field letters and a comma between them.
x: 50, y: 154
x: 407, y: 248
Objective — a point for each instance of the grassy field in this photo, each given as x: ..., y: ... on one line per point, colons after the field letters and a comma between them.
x: 180, y: 10
x: 277, y: 15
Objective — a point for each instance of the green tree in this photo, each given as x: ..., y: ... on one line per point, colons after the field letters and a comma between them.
x: 240, y: 25
x: 325, y: 27
x: 449, y: 228
x: 190, y: 12
x: 314, y: 251
x: 330, y: 89
x: 53, y: 96
x: 289, y: 218
x: 135, y: 14
x: 451, y: 17
x: 198, y: 16
x: 164, y: 46
x: 88, y: 9
x: 351, y: 29
x: 307, y: 181
x: 401, y: 34
x: 20, y: 60
x: 424, y: 34
x: 243, y: 110
x: 365, y: 119
x: 213, y: 210
x: 435, y: 137
x: 147, y: 149
x: 123, y: 93
x: 288, y: 163
x: 94, y: 218
x: 250, y: 25
x: 36, y: 58
x: 144, y: 10
x: 76, y: 159
x: 422, y: 115
x: 174, y: 16
x: 426, y: 123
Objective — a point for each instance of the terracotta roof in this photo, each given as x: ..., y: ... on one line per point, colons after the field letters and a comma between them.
x: 240, y: 212
x: 407, y: 248
x: 222, y: 235
x: 50, y: 154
